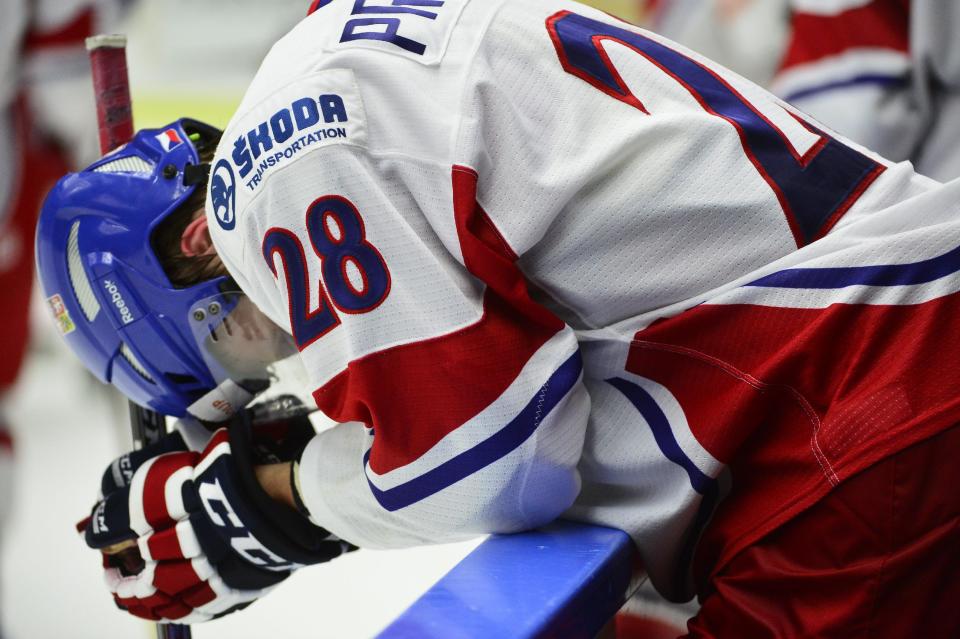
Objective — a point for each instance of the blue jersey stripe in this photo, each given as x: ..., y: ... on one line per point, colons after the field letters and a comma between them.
x: 706, y: 486
x: 860, y: 80
x: 495, y: 447
x: 662, y: 433
x: 883, y: 275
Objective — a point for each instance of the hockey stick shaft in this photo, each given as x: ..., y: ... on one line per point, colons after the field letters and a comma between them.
x: 147, y: 426
x: 108, y: 64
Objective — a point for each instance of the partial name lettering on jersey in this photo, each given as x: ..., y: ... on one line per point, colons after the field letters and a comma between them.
x: 322, y: 109
x: 416, y: 29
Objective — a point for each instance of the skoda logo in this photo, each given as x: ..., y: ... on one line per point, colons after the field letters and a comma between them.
x: 223, y: 195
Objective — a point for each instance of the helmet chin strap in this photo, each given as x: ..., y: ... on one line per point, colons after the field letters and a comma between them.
x: 223, y: 402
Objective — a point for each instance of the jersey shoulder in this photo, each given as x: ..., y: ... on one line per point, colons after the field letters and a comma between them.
x: 367, y: 33
x: 381, y: 79
x: 418, y: 31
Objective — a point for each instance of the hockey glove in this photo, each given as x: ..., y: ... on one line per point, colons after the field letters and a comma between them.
x: 208, y: 539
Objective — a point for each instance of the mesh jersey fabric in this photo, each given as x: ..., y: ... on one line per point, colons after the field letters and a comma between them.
x: 541, y: 262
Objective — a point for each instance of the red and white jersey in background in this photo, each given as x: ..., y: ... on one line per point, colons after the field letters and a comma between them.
x: 886, y: 73
x: 11, y: 33
x: 12, y: 28
x: 43, y: 63
x: 43, y: 96
x: 34, y: 31
x: 541, y: 262
x: 46, y: 111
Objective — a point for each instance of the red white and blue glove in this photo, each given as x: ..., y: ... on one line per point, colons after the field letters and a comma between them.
x: 209, y: 540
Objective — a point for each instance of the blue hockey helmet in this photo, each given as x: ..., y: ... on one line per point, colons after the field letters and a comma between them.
x: 163, y: 346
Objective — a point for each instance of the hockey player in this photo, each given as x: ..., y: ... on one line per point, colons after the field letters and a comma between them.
x: 536, y: 263
x: 884, y: 72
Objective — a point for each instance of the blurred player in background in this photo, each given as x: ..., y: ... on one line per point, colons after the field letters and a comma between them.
x: 535, y: 263
x: 882, y: 72
x: 886, y: 73
x: 747, y: 36
x: 46, y: 107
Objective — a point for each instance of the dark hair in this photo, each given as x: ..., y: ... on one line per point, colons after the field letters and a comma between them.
x: 184, y: 271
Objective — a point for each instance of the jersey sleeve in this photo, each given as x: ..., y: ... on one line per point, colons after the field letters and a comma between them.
x: 459, y: 400
x: 631, y: 174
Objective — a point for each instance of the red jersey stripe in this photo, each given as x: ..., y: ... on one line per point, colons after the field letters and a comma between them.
x: 449, y: 379
x: 317, y: 4
x: 882, y: 24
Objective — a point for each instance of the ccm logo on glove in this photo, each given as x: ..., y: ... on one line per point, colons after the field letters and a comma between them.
x: 192, y: 536
x: 221, y: 514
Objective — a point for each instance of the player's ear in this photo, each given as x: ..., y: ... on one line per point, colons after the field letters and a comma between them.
x: 195, y: 240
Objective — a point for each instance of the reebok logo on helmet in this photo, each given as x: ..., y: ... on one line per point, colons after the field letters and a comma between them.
x: 126, y: 316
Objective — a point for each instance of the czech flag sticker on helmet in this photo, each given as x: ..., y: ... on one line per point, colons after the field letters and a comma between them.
x: 61, y: 315
x: 169, y: 139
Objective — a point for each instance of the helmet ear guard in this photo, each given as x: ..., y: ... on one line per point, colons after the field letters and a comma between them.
x: 111, y: 297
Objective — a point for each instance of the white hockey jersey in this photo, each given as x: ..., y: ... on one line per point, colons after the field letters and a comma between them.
x: 539, y: 262
x: 39, y: 39
x: 885, y: 73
